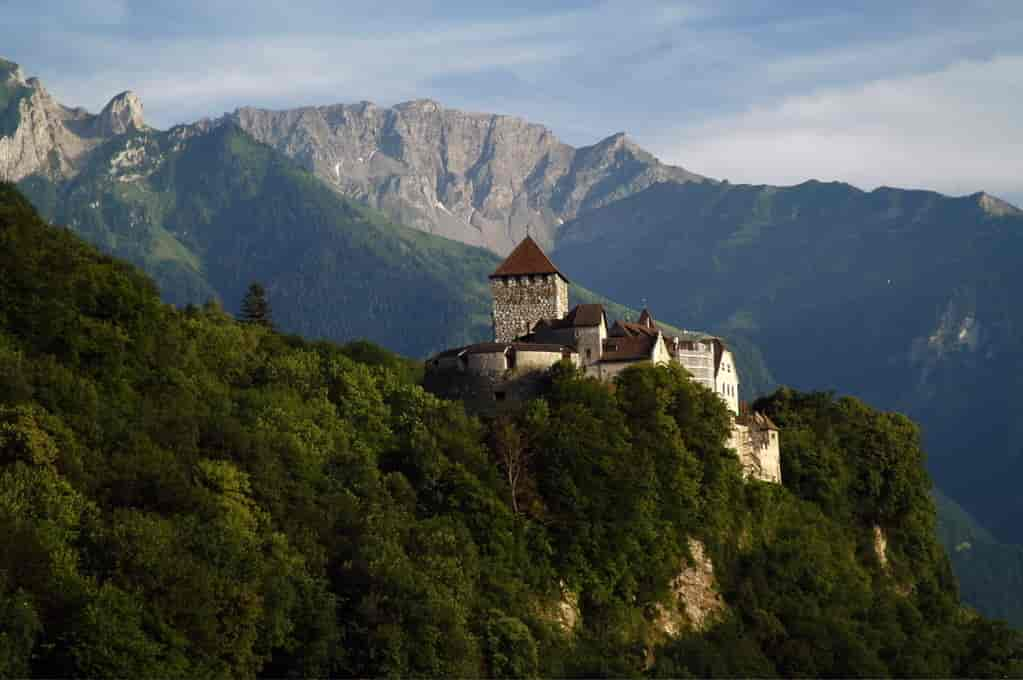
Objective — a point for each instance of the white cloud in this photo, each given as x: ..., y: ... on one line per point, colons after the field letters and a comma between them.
x: 956, y: 131
x: 186, y: 76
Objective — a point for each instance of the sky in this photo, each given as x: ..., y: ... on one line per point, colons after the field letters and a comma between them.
x: 908, y: 94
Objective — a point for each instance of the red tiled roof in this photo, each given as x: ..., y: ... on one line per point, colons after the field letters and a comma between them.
x: 628, y: 329
x: 628, y: 348
x: 527, y: 258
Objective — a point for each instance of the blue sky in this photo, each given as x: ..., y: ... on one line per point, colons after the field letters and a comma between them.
x: 906, y: 94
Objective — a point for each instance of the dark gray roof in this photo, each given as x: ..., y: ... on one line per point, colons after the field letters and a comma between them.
x: 497, y: 347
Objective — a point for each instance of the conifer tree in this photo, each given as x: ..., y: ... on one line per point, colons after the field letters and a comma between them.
x: 255, y: 307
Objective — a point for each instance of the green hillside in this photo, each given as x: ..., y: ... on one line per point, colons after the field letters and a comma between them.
x: 208, y: 213
x: 990, y: 572
x: 184, y: 495
x: 903, y: 298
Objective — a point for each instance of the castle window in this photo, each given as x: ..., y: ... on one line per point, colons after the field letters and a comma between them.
x: 588, y: 353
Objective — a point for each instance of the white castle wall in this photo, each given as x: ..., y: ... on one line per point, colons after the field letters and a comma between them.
x: 758, y: 450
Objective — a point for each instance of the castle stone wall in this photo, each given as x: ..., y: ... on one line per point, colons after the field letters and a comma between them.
x: 758, y: 450
x: 521, y: 301
x: 590, y: 342
x: 486, y: 394
x: 489, y: 362
x: 607, y: 370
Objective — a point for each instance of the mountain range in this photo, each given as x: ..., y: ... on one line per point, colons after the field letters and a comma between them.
x: 901, y: 297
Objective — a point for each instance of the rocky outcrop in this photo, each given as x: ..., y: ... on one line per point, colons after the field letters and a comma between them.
x: 881, y: 546
x: 695, y: 600
x: 123, y: 114
x: 564, y: 613
x: 482, y: 179
x: 995, y: 206
x: 38, y: 135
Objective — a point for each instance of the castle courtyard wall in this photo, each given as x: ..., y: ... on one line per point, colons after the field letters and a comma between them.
x: 536, y: 361
x: 487, y: 362
x: 488, y: 394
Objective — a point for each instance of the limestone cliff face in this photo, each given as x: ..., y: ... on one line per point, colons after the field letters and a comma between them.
x: 38, y: 135
x: 122, y: 114
x: 482, y: 179
x: 696, y: 600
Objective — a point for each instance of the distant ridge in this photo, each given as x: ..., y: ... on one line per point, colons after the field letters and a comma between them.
x: 482, y: 179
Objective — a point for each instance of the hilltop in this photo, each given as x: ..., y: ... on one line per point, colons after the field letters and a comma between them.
x: 190, y: 495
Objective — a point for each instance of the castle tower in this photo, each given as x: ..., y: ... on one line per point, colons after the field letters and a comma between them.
x: 527, y: 287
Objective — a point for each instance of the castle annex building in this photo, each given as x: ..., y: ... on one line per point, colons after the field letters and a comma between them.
x: 534, y: 329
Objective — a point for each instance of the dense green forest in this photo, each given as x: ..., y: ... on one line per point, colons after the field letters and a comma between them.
x: 903, y: 298
x: 184, y: 494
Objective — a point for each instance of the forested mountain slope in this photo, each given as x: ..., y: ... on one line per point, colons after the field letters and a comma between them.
x: 185, y: 495
x: 209, y: 210
x: 904, y: 298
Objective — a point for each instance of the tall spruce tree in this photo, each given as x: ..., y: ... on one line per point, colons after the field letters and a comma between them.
x: 255, y: 306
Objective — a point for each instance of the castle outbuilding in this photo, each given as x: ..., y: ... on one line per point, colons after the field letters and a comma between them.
x: 534, y: 329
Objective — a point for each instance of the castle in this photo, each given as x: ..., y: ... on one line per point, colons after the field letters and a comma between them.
x: 534, y: 329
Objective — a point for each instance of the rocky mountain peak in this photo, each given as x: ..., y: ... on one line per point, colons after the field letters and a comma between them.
x: 479, y: 178
x: 995, y: 206
x: 11, y: 73
x: 617, y: 139
x: 427, y: 105
x: 42, y: 136
x: 123, y: 113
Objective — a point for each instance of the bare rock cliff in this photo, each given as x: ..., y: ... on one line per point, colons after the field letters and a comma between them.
x: 40, y: 135
x: 482, y: 179
x: 121, y: 115
x: 696, y: 601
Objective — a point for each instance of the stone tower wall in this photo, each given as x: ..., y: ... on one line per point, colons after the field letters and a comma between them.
x: 521, y: 301
x: 758, y: 450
